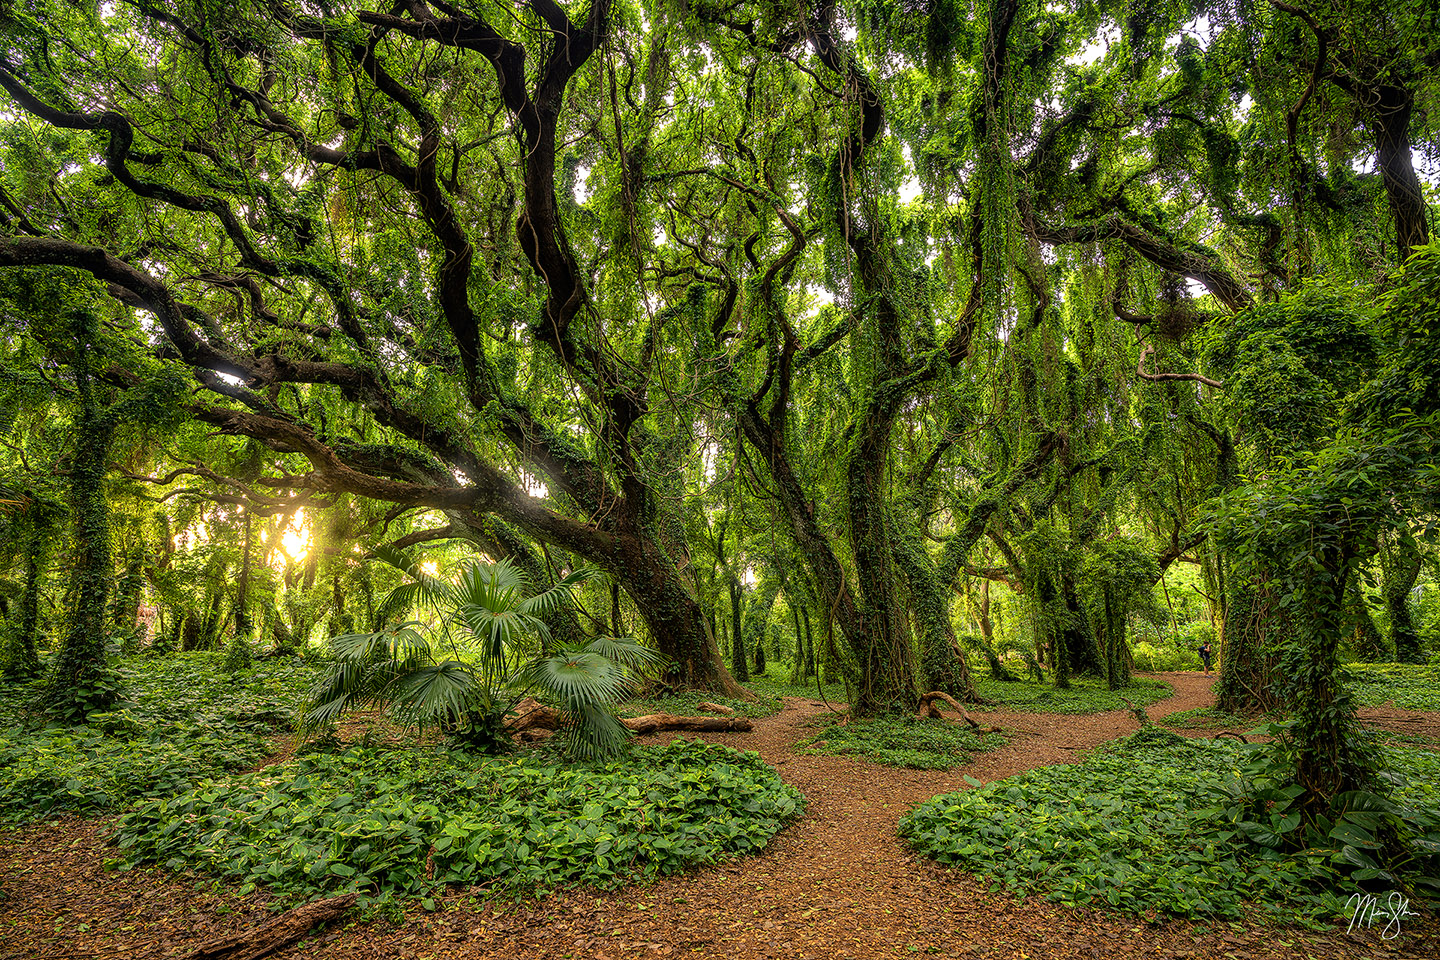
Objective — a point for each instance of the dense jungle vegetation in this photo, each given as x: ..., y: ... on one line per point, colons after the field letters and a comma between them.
x: 432, y: 354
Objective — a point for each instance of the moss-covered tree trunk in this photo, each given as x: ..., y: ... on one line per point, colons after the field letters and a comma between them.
x: 942, y: 666
x: 80, y: 682
x: 22, y: 658
x: 739, y: 665
x: 1402, y: 569
x: 1249, y: 650
x: 1331, y: 758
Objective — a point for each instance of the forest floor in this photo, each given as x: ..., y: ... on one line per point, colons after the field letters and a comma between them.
x: 837, y: 884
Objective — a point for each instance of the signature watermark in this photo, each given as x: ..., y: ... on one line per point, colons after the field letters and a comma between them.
x: 1367, y: 909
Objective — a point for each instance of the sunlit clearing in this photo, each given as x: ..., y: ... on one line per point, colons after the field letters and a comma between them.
x: 296, y: 540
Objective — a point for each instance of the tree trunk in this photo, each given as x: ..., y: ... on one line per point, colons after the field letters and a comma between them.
x: 79, y: 681
x: 1249, y: 651
x: 739, y: 665
x: 1389, y: 125
x: 22, y: 659
x: 1401, y: 572
x: 674, y: 619
x: 943, y: 668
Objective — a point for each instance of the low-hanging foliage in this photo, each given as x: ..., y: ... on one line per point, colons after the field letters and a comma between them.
x: 395, y: 825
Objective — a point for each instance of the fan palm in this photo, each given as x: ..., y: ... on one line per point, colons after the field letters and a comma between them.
x: 397, y: 668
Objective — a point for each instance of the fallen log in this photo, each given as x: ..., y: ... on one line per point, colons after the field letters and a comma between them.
x: 664, y: 722
x: 274, y: 934
x: 531, y: 715
x: 708, y: 707
x: 928, y: 709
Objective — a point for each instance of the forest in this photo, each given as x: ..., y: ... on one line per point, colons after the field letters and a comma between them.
x: 414, y: 414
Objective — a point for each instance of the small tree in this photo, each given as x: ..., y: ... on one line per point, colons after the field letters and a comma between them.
x: 490, y: 609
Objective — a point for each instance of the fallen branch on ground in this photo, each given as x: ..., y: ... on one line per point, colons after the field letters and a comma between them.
x: 531, y: 714
x: 275, y: 934
x: 928, y: 709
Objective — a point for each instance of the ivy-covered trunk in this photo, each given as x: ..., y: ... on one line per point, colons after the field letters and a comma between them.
x: 1250, y: 643
x: 21, y: 658
x: 877, y: 635
x: 674, y: 618
x: 80, y: 682
x: 941, y: 665
x: 1402, y: 569
x: 1330, y: 756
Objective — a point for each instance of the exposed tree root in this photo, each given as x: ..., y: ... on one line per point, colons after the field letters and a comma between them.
x: 928, y: 709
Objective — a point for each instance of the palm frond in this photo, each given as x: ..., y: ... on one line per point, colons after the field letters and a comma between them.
x: 547, y: 602
x: 431, y: 589
x: 594, y: 733
x: 437, y: 694
x: 626, y: 651
x: 576, y: 680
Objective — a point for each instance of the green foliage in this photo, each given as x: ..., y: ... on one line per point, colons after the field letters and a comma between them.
x: 184, y: 721
x: 399, y: 825
x: 898, y: 740
x: 1361, y: 835
x: 398, y: 670
x: 1085, y: 695
x: 1123, y: 829
x: 1409, y: 686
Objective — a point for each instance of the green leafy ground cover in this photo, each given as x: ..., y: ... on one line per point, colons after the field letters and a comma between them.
x: 901, y: 741
x: 181, y: 720
x: 1117, y: 830
x: 1084, y: 696
x: 1410, y: 686
x: 400, y: 824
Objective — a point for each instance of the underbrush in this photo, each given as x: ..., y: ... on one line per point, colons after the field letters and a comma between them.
x: 808, y: 689
x: 1085, y: 695
x: 396, y: 825
x: 901, y: 741
x: 180, y: 720
x: 1127, y: 828
x: 1410, y: 686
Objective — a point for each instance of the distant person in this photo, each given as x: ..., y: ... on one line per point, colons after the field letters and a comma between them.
x: 1204, y: 652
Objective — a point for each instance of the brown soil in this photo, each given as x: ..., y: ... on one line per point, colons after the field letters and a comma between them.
x: 838, y: 884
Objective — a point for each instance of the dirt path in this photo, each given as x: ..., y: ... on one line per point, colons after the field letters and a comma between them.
x: 837, y: 884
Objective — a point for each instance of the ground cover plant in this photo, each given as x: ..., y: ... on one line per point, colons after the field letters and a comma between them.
x: 1127, y: 828
x: 899, y: 740
x: 181, y: 720
x: 1085, y: 695
x: 1409, y: 686
x: 400, y: 824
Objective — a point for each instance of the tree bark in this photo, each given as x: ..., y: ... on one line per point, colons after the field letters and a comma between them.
x: 274, y: 935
